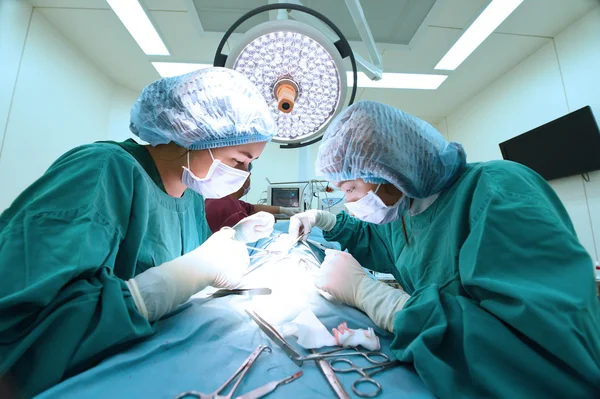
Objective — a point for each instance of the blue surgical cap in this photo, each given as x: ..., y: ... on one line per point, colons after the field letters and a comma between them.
x: 208, y: 108
x: 381, y: 144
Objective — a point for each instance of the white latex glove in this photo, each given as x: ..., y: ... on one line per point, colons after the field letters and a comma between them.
x: 303, y: 222
x: 344, y: 278
x: 220, y: 262
x: 289, y: 211
x: 254, y: 227
x: 340, y: 275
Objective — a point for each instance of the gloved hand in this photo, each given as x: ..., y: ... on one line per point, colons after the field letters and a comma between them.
x: 303, y: 222
x: 344, y: 278
x: 340, y: 275
x: 220, y: 262
x: 289, y: 211
x: 254, y: 227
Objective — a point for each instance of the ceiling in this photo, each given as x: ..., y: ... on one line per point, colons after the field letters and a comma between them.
x: 397, y: 27
x: 97, y: 32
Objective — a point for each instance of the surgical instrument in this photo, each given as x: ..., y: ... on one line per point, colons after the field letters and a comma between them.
x: 256, y: 266
x: 241, y: 372
x: 366, y: 373
x: 318, y: 245
x: 259, y: 249
x: 331, y: 378
x: 307, y: 245
x: 241, y: 291
x: 298, y: 359
x: 270, y: 387
x: 263, y: 252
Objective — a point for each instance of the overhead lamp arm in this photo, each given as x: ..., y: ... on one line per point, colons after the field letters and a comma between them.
x: 375, y: 68
x: 342, y: 45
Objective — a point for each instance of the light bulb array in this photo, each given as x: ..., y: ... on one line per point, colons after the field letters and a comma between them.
x: 290, y: 55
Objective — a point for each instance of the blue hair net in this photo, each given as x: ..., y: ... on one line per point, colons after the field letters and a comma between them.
x: 209, y: 108
x: 381, y: 144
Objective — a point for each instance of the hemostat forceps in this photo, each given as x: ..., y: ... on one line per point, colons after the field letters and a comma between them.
x: 241, y: 372
x: 298, y: 359
x: 339, y: 355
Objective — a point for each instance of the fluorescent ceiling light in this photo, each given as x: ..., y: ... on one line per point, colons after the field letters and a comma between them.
x: 484, y: 25
x: 131, y: 13
x: 389, y: 80
x: 168, y: 69
x: 400, y: 81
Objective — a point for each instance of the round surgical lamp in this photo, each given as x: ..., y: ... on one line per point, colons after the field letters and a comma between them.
x: 298, y: 70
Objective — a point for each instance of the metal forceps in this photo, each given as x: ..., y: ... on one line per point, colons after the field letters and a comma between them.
x: 241, y: 372
x: 367, y: 374
x: 266, y: 254
x: 299, y: 360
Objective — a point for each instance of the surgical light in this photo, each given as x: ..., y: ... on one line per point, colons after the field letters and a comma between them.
x: 132, y: 15
x: 302, y: 78
x: 495, y: 13
x: 299, y: 71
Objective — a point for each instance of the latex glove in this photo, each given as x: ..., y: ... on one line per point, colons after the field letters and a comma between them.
x: 344, y: 278
x: 220, y: 262
x: 289, y: 211
x: 302, y: 223
x: 340, y: 275
x: 254, y: 227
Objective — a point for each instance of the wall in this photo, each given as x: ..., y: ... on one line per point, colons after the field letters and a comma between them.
x: 118, y: 121
x: 14, y: 23
x: 559, y: 78
x: 60, y: 98
x: 275, y: 164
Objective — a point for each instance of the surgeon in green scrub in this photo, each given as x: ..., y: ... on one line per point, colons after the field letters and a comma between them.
x: 498, y: 297
x: 114, y: 235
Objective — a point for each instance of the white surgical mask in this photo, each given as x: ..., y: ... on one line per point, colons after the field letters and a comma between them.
x: 372, y: 209
x: 220, y: 181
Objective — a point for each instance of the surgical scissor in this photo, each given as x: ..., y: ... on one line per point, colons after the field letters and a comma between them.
x: 366, y: 373
x: 241, y: 372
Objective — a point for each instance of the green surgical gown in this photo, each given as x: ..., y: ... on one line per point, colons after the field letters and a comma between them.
x: 503, y: 301
x: 96, y: 218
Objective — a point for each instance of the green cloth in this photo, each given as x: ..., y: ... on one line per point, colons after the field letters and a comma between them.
x: 68, y: 243
x: 503, y: 301
x: 141, y: 154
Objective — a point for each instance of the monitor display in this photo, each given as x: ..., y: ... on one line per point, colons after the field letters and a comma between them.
x: 285, y: 196
x: 567, y: 146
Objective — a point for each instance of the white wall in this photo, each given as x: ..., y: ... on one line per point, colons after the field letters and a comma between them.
x: 561, y: 77
x: 275, y: 164
x: 60, y: 98
x: 14, y: 23
x: 118, y: 122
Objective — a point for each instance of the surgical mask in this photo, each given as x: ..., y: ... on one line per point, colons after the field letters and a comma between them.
x: 372, y: 209
x: 220, y: 181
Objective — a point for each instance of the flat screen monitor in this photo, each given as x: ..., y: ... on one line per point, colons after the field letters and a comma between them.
x: 567, y: 146
x: 285, y: 196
